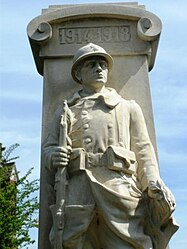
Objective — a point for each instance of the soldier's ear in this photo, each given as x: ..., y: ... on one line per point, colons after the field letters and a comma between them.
x: 78, y: 74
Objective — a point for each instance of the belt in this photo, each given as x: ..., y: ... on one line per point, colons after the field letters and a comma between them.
x: 114, y: 158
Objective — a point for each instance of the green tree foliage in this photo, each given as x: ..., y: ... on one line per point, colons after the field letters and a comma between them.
x: 18, y: 204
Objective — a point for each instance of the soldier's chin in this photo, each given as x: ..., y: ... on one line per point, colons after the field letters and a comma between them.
x: 99, y: 84
x: 100, y: 81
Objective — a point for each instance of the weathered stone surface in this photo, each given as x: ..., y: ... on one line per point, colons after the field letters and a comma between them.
x: 126, y: 31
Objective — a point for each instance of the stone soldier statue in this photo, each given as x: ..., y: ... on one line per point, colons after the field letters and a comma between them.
x: 114, y: 197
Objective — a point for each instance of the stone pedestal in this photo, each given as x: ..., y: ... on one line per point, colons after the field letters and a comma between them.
x: 125, y: 30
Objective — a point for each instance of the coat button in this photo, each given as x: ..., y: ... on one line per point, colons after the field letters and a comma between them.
x: 84, y: 112
x: 88, y: 140
x: 86, y: 126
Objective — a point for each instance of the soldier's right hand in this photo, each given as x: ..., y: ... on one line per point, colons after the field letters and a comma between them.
x: 60, y: 156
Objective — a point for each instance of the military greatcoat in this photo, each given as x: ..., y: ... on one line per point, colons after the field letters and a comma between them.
x: 115, y: 162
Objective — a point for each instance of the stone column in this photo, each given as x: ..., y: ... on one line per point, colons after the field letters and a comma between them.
x: 125, y: 30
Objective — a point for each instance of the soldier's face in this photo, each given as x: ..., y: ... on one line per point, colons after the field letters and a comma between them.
x: 94, y: 72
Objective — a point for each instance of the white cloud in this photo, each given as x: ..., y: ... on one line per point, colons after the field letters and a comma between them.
x: 172, y: 94
x: 175, y: 159
x: 29, y: 157
x: 172, y: 11
x: 8, y: 123
x: 171, y: 131
x: 21, y: 138
x: 169, y: 126
x: 19, y: 66
x: 21, y: 95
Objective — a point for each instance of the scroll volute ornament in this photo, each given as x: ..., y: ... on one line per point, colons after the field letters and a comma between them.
x: 42, y: 34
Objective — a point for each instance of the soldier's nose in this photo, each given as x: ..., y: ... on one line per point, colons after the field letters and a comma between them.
x: 98, y: 68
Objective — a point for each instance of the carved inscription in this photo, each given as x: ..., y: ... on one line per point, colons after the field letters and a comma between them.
x: 104, y: 34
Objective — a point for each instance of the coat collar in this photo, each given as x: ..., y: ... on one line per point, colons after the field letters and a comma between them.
x: 110, y: 97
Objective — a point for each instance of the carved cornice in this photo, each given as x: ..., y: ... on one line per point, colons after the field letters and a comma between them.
x: 39, y: 30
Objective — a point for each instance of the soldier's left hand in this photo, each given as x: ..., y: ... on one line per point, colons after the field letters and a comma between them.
x: 157, y: 190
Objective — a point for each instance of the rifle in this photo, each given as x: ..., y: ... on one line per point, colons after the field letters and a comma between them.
x: 58, y: 209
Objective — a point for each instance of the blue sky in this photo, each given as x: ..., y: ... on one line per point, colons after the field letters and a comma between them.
x: 21, y: 94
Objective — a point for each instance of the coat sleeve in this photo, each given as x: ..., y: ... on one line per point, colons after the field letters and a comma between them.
x: 52, y: 139
x: 148, y: 169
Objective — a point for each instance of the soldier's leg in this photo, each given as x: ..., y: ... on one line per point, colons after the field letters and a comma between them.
x: 109, y: 239
x: 121, y: 215
x: 79, y: 211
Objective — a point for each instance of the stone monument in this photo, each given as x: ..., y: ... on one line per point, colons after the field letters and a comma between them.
x: 100, y: 182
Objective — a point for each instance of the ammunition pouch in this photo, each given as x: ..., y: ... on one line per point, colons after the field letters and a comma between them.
x: 120, y: 159
x: 77, y: 161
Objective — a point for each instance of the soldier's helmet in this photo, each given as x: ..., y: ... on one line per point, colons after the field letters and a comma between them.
x: 89, y: 50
